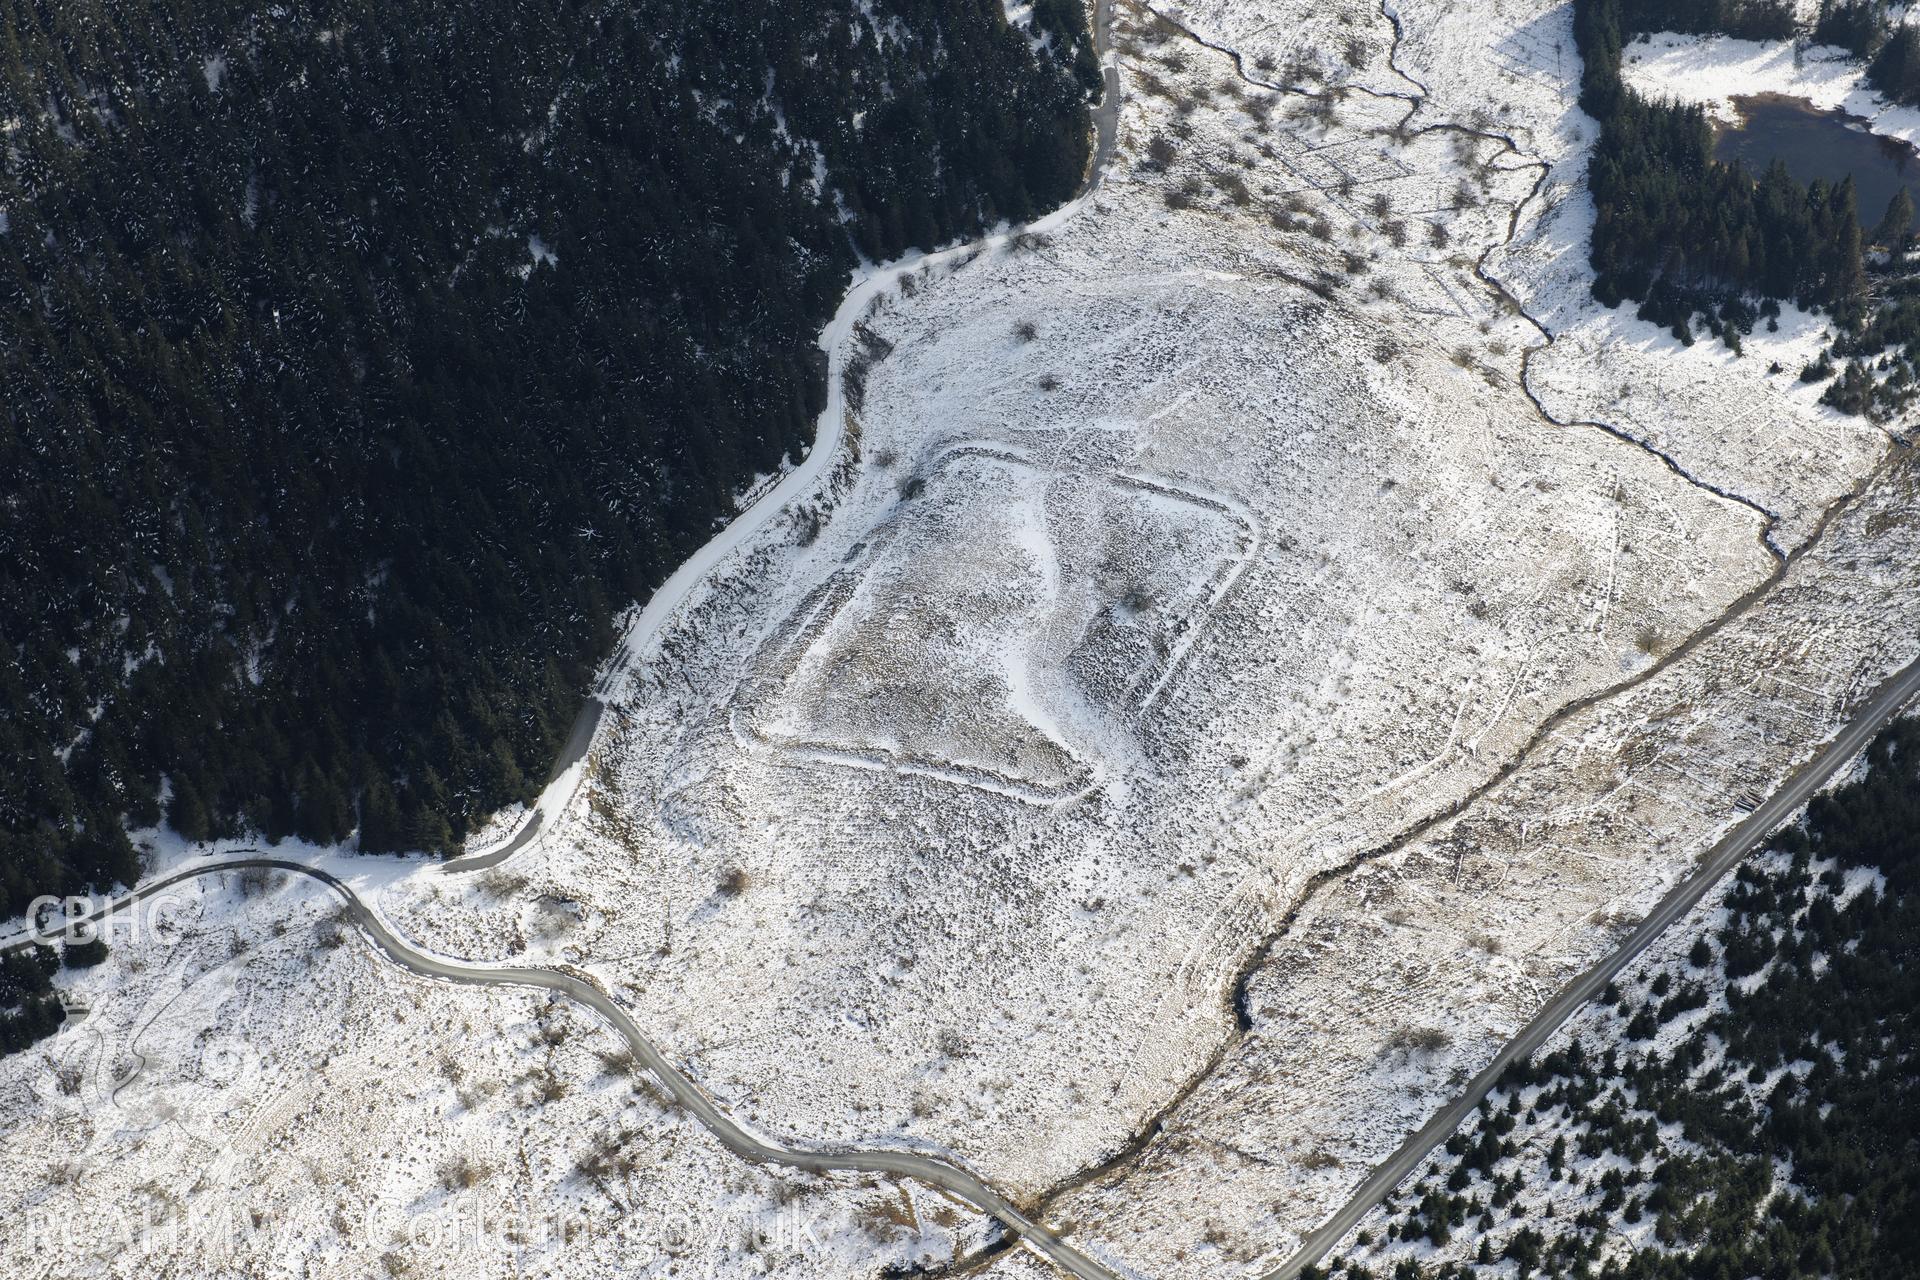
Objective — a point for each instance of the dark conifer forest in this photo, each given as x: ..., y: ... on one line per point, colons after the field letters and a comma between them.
x: 1743, y: 19
x: 360, y: 362
x: 1680, y: 232
x: 29, y: 1007
x: 1700, y: 243
x: 1868, y: 29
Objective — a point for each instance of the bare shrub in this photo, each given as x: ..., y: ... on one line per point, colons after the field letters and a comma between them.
x: 462, y: 1173
x: 330, y: 934
x: 889, y: 1219
x: 503, y: 884
x: 1236, y: 190
x: 806, y: 528
x: 1151, y: 85
x: 620, y: 1063
x: 1418, y: 1040
x: 608, y: 1159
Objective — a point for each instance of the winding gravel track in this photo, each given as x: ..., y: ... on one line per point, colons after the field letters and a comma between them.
x: 958, y: 1182
x: 579, y: 739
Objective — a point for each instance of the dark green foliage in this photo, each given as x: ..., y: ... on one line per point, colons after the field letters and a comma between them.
x: 29, y: 1009
x: 1601, y: 27
x: 84, y: 955
x: 1896, y: 222
x: 1817, y: 370
x: 1693, y: 241
x: 324, y: 489
x: 1745, y: 19
x: 1853, y: 391
x: 1869, y: 30
x: 1677, y: 230
x: 1855, y: 25
x: 1895, y: 70
x: 1858, y: 26
x: 1065, y: 23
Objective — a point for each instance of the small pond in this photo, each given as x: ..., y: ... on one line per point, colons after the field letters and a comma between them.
x: 1821, y: 144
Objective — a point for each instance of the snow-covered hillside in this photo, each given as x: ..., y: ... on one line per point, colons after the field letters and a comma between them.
x: 1236, y: 669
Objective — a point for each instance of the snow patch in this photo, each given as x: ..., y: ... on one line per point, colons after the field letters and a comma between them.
x: 1711, y: 71
x: 538, y: 255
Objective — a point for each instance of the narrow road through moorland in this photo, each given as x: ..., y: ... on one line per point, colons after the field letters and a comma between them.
x: 1879, y: 711
x: 1875, y: 715
x: 949, y: 1178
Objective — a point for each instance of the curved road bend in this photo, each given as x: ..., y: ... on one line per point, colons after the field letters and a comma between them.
x: 1880, y: 710
x: 578, y: 740
x: 1720, y: 859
